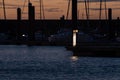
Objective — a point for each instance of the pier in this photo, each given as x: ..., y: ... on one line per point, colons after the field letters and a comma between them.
x: 111, y: 49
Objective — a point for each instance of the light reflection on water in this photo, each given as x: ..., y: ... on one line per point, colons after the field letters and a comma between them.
x: 53, y: 63
x: 74, y: 58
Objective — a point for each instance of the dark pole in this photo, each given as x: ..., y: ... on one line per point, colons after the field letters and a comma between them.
x: 109, y: 14
x: 4, y: 10
x: 68, y: 9
x: 100, y: 10
x: 40, y: 9
x: 18, y: 27
x: 86, y: 9
x: 105, y: 9
x: 74, y: 14
x: 111, y: 27
x: 74, y: 21
x: 29, y: 11
x: 31, y: 14
x: 18, y: 14
x: 43, y: 9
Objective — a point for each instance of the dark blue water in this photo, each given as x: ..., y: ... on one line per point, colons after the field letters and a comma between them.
x: 53, y: 63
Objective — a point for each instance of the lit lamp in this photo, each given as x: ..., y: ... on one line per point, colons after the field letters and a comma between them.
x: 74, y: 37
x: 23, y: 35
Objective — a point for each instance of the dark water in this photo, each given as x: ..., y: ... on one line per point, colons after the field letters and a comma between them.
x: 53, y: 63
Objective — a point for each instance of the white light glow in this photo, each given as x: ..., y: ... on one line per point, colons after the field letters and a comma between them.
x: 75, y: 31
x: 23, y: 35
x: 74, y: 37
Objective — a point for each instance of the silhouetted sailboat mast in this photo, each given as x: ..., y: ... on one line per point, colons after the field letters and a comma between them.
x: 68, y: 8
x: 87, y: 8
x: 23, y: 6
x: 100, y: 9
x: 40, y: 10
x: 41, y: 5
x: 42, y: 14
x: 87, y: 11
x: 4, y: 10
x: 105, y: 9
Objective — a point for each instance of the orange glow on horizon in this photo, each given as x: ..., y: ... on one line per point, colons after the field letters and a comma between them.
x: 54, y: 9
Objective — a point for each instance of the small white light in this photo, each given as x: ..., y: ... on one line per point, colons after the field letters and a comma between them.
x: 74, y: 37
x: 75, y: 31
x: 23, y: 35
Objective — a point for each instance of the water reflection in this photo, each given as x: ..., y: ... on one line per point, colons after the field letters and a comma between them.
x: 74, y: 58
x: 53, y: 63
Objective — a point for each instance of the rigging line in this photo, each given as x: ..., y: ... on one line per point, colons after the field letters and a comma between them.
x: 105, y: 10
x: 0, y: 9
x: 28, y: 1
x: 78, y: 14
x: 68, y: 9
x: 40, y: 10
x: 4, y: 9
x: 23, y: 6
x: 18, y: 4
x: 43, y: 9
x: 100, y: 9
x: 86, y: 9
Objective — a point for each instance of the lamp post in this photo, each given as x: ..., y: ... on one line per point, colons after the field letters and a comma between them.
x: 74, y: 21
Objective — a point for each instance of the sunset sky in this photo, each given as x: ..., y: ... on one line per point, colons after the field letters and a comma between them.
x: 54, y: 9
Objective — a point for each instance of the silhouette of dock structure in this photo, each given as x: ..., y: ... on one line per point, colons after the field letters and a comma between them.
x: 109, y: 48
x: 25, y: 31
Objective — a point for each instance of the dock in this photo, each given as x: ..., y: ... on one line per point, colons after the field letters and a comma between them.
x: 96, y: 49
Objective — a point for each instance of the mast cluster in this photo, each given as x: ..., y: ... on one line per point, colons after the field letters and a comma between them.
x: 42, y: 13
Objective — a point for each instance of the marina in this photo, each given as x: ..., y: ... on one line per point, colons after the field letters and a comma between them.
x: 70, y: 47
x: 77, y: 35
x: 96, y: 50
